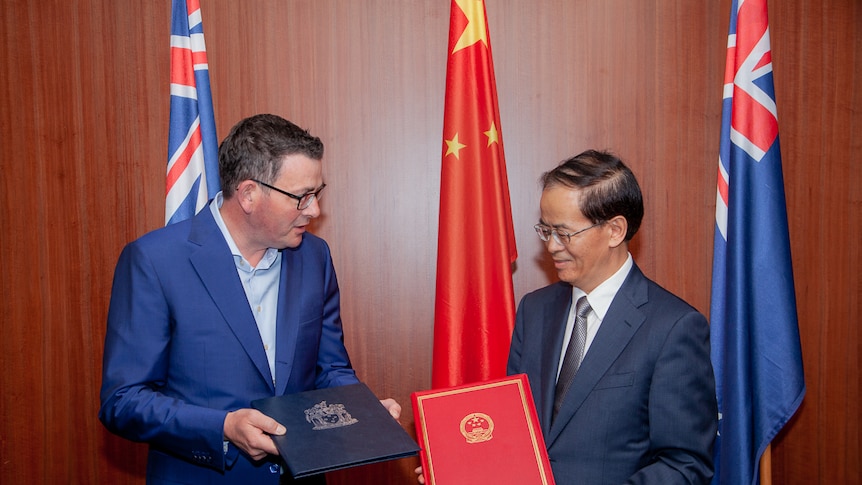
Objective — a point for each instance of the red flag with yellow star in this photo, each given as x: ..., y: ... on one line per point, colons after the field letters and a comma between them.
x: 474, y: 306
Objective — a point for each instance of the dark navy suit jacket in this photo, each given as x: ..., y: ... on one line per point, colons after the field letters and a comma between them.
x: 642, y: 408
x: 182, y: 348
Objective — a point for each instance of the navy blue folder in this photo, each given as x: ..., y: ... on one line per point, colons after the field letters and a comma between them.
x: 333, y: 428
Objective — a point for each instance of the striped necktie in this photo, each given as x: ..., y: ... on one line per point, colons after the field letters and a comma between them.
x: 574, y: 353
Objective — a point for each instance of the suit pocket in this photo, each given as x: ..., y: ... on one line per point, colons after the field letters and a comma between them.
x: 616, y: 380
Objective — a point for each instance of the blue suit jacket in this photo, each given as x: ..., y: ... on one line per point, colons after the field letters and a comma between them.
x: 642, y: 407
x: 182, y: 348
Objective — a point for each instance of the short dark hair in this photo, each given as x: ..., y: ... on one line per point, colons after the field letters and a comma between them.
x: 255, y: 146
x: 608, y: 186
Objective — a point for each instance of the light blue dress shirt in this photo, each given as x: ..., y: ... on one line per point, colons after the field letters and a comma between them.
x: 260, y: 284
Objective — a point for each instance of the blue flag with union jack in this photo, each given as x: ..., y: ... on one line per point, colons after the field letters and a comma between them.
x: 192, y: 173
x: 756, y: 351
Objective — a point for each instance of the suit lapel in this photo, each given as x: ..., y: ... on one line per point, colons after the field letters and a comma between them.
x: 287, y: 326
x: 556, y: 313
x: 215, y: 266
x: 621, y: 322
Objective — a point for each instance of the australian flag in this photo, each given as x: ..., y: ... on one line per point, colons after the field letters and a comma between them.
x: 192, y: 173
x: 756, y: 351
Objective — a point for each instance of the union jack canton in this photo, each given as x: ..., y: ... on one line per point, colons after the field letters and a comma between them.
x: 192, y: 171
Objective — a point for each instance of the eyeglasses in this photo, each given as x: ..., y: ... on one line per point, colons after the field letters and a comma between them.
x: 546, y: 232
x: 302, y: 201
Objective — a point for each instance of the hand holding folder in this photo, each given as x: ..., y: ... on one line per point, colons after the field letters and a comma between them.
x: 333, y: 428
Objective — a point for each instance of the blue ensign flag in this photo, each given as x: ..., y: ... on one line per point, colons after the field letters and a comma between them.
x: 756, y: 351
x: 192, y: 172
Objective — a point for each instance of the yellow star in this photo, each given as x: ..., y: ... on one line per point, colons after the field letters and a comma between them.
x: 492, y: 134
x: 454, y: 146
x: 475, y: 31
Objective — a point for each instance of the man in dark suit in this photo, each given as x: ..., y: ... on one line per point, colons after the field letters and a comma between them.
x: 235, y: 304
x: 636, y: 401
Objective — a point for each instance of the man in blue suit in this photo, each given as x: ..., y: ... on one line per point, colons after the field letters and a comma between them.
x: 637, y: 403
x: 235, y: 304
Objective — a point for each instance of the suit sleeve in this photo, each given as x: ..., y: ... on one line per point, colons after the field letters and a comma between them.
x: 135, y: 367
x: 513, y: 365
x: 682, y: 408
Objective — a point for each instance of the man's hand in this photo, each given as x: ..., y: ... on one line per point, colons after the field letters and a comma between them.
x: 419, y: 476
x: 250, y: 430
x: 393, y: 407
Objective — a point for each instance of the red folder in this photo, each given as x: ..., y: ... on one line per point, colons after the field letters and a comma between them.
x: 483, y: 433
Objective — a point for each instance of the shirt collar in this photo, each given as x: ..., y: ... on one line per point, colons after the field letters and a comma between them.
x: 601, y: 297
x: 269, y: 257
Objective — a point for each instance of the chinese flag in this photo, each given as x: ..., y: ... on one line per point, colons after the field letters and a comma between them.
x: 474, y: 306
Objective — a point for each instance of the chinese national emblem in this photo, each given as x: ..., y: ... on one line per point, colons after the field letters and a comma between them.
x: 477, y: 427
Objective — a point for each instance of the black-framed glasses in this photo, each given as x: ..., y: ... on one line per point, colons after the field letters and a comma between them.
x: 302, y: 201
x: 547, y: 232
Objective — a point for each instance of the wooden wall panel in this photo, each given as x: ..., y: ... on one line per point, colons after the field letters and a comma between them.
x: 817, y: 49
x: 82, y: 124
x: 83, y: 121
